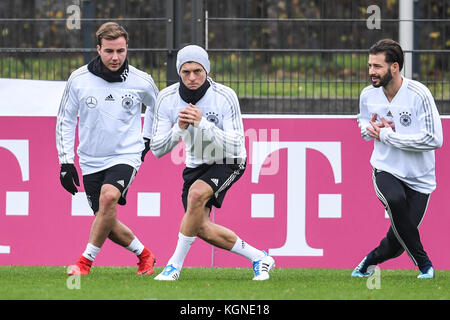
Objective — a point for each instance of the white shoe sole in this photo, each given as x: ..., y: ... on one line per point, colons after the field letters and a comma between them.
x: 172, y: 277
x: 265, y: 275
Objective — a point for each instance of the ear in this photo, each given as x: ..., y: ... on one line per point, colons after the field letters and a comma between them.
x: 395, y: 67
x: 99, y: 49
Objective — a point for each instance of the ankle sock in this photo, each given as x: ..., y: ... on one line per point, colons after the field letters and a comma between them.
x: 183, y: 245
x: 91, y: 252
x: 135, y: 246
x: 242, y: 248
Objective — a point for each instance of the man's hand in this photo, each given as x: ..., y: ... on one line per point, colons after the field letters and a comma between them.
x: 68, y: 175
x: 147, y: 148
x: 182, y: 124
x: 190, y: 115
x: 374, y: 132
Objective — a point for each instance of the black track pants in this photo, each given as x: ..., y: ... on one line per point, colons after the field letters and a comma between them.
x: 406, y: 209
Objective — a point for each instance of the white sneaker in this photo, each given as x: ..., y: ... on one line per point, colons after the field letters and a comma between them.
x: 262, y: 267
x: 356, y: 273
x: 170, y: 273
x: 428, y: 275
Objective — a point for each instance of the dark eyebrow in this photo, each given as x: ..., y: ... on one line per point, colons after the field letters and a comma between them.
x: 120, y: 49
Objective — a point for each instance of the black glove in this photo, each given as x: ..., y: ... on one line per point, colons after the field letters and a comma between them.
x: 147, y: 148
x: 68, y: 176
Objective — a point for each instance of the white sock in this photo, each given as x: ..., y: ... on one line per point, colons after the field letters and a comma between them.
x: 244, y: 249
x: 183, y: 245
x: 135, y: 246
x: 91, y: 252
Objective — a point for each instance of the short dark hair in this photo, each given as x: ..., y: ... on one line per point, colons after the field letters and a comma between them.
x: 110, y: 31
x: 391, y: 49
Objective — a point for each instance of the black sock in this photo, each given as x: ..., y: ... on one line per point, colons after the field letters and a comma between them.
x: 424, y: 267
x: 370, y: 261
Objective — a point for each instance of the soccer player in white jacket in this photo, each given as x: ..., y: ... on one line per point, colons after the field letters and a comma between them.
x: 107, y: 95
x: 400, y: 115
x: 207, y: 117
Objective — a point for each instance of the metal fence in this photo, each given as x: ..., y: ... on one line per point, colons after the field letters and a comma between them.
x: 296, y: 57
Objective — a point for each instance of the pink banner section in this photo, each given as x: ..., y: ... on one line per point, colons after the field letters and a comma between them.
x: 306, y: 197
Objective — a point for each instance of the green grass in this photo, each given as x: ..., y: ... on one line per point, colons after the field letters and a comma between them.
x: 122, y: 283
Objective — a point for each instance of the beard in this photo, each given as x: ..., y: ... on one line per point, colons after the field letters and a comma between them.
x: 383, y: 81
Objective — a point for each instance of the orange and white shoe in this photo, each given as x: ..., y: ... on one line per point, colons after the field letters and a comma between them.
x: 82, y: 267
x: 146, y: 262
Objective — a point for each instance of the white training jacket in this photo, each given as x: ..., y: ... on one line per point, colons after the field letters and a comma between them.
x: 110, y: 121
x: 408, y: 152
x: 219, y: 135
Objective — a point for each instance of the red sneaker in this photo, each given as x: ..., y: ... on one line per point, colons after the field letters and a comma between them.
x: 146, y: 262
x: 83, y: 267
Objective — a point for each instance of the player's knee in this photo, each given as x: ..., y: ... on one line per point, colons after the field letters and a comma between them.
x: 109, y: 198
x: 197, y: 197
x: 396, y: 201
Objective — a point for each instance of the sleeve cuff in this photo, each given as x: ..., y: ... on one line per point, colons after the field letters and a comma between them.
x: 384, y: 132
x: 204, y: 124
x: 177, y: 131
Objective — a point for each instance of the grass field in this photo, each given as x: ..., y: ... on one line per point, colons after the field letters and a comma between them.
x: 122, y: 283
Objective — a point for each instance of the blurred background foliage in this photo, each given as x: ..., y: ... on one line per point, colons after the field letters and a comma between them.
x: 276, y: 48
x: 338, y: 24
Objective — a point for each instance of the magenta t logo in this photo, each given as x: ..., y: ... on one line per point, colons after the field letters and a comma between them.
x: 329, y: 204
